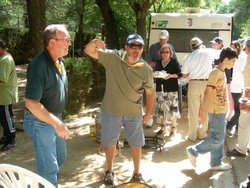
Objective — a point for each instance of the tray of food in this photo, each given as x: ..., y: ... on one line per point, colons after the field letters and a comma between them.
x: 160, y: 74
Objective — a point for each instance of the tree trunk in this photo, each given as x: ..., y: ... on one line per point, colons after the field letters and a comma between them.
x: 111, y: 26
x: 141, y: 25
x: 37, y: 23
x: 140, y: 9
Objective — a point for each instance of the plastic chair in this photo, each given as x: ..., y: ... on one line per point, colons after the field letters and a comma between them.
x: 12, y: 176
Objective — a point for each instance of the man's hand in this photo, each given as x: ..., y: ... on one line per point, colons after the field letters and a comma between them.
x: 93, y: 46
x: 62, y: 131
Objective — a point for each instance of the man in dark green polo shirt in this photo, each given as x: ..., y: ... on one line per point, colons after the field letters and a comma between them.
x: 45, y: 100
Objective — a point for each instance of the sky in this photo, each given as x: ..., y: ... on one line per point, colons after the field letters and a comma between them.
x: 226, y: 1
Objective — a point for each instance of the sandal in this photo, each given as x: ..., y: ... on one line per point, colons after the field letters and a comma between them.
x: 162, y: 130
x: 172, y: 131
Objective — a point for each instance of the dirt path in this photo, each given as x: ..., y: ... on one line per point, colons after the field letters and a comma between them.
x: 84, y: 167
x: 19, y: 107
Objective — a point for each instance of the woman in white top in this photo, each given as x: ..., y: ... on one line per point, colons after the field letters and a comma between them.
x: 237, y: 85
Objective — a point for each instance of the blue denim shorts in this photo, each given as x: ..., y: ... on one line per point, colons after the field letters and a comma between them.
x: 111, y: 128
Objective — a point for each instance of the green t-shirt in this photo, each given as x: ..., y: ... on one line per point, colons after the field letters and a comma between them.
x: 124, y: 84
x: 46, y: 84
x: 8, y: 78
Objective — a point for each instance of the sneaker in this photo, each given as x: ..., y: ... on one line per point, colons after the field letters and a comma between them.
x: 8, y: 146
x: 109, y: 178
x: 223, y: 166
x: 235, y: 153
x: 191, y: 158
x: 3, y: 140
x: 137, y: 177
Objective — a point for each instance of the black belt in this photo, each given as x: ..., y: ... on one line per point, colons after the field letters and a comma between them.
x: 201, y: 79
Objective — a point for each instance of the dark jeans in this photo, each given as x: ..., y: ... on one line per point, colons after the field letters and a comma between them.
x: 235, y: 119
x: 7, y: 122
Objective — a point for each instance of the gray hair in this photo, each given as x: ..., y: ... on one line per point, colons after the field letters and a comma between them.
x: 51, y: 32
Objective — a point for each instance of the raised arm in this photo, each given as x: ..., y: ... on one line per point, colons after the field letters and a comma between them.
x: 93, y: 46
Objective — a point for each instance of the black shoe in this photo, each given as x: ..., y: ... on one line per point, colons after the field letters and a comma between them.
x: 235, y: 153
x: 3, y: 140
x: 8, y: 146
x: 137, y: 177
x: 159, y: 132
x: 109, y: 178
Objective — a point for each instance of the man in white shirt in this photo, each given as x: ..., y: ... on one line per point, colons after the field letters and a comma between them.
x: 196, y: 67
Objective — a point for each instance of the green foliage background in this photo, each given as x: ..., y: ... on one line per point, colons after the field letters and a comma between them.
x: 85, y: 21
x: 86, y: 82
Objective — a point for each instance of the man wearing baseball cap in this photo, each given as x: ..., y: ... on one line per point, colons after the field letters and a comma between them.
x: 196, y: 67
x: 127, y: 77
x: 153, y: 52
x: 217, y: 43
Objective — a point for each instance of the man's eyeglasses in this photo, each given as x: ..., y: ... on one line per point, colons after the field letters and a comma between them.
x: 135, y: 46
x: 66, y: 39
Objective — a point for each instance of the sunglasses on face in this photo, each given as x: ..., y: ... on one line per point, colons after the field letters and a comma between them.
x: 135, y: 46
x: 165, y: 52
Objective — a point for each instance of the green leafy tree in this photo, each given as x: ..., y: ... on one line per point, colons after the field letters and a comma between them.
x: 241, y: 11
x: 11, y: 14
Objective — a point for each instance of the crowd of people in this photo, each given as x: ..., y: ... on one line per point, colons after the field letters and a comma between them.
x: 218, y: 98
x: 217, y: 93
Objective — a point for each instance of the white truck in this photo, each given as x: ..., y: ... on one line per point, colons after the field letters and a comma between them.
x: 184, y: 26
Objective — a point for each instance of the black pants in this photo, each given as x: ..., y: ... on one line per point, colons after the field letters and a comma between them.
x: 7, y: 122
x: 235, y: 119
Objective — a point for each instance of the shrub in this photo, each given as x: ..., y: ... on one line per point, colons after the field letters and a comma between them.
x: 18, y: 43
x: 85, y: 82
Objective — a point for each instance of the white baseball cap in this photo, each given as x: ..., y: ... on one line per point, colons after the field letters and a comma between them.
x: 163, y: 34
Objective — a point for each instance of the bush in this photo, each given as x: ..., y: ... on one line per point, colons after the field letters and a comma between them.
x: 85, y: 82
x: 18, y: 43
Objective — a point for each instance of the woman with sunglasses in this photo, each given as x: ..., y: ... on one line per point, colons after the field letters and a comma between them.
x: 167, y: 72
